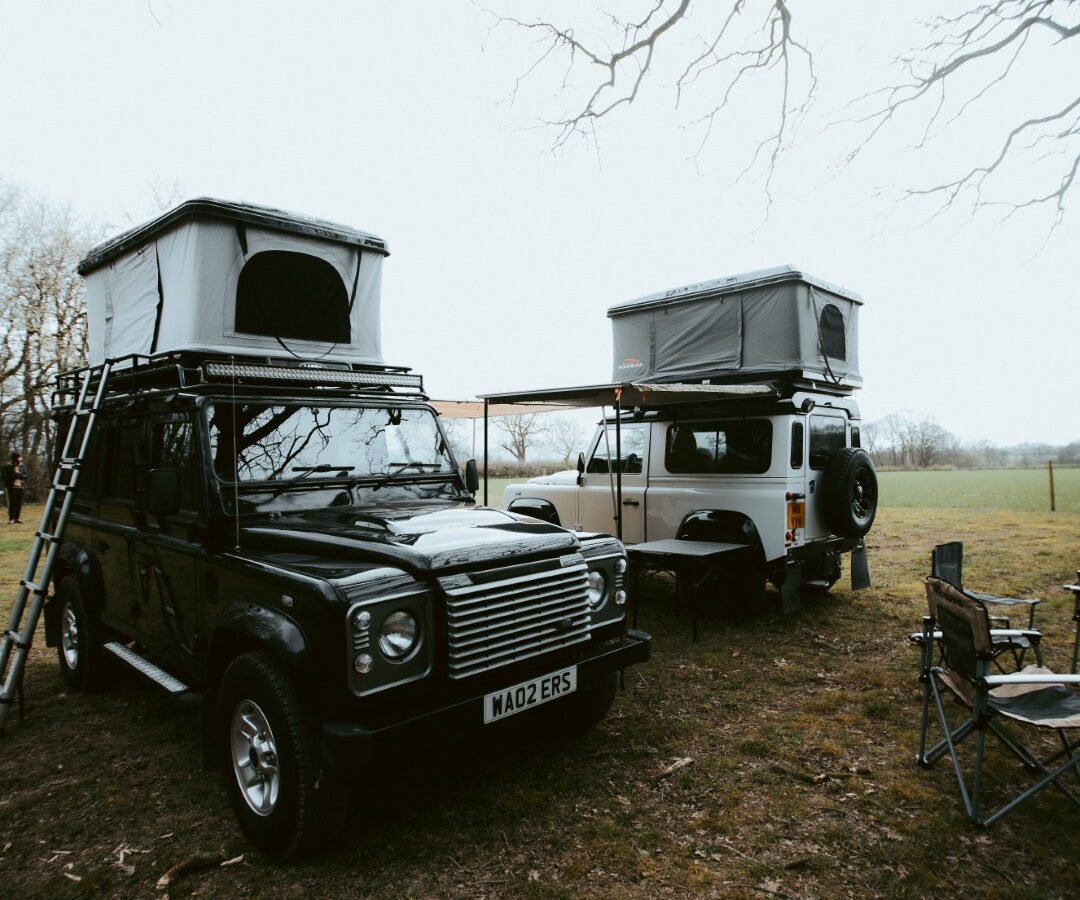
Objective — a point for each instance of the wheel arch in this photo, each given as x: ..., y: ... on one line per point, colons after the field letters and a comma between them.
x: 722, y: 526
x: 536, y: 507
x: 73, y: 560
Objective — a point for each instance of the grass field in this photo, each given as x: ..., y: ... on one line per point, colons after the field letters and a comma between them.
x: 987, y: 489
x: 771, y: 759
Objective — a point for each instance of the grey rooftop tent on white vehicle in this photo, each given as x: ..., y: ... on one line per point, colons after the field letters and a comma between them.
x: 749, y: 327
x: 212, y: 275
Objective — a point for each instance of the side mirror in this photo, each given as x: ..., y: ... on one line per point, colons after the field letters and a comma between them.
x: 580, y: 469
x: 162, y: 492
x: 472, y: 477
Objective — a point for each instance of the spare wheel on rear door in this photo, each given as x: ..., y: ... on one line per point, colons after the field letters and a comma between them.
x: 850, y: 492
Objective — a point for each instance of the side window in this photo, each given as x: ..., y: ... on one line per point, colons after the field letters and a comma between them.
x: 124, y: 462
x: 741, y: 447
x: 172, y: 446
x: 827, y: 434
x: 856, y: 437
x: 797, y: 445
x: 633, y: 451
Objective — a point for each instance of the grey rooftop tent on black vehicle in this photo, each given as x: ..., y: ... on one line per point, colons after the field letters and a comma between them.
x: 212, y: 275
x: 750, y: 327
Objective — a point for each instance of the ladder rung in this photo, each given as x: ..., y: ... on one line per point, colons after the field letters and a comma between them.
x: 32, y: 586
x: 71, y: 462
x: 63, y: 488
x: 13, y: 636
x: 46, y: 537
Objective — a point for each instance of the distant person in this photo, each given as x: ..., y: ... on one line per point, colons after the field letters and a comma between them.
x: 14, y: 474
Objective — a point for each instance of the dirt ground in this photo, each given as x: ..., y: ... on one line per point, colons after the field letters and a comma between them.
x: 772, y: 758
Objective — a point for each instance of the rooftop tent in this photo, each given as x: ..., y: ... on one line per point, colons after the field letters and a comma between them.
x: 774, y: 322
x: 235, y: 278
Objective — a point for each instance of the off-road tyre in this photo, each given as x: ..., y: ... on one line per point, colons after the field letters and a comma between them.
x: 84, y: 662
x: 584, y: 709
x: 850, y: 492
x: 261, y: 715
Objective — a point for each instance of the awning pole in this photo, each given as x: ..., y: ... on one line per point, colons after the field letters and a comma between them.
x: 618, y: 463
x: 485, y: 452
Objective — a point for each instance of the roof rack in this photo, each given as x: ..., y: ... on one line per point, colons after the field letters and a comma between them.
x: 137, y: 373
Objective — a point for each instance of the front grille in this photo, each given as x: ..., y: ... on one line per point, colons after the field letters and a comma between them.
x: 498, y: 618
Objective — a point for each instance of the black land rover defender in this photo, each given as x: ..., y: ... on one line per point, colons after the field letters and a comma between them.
x: 296, y: 541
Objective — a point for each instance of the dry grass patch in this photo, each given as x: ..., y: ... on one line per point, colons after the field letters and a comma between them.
x: 800, y: 733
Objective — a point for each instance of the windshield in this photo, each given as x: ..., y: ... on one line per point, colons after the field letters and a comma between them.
x: 259, y: 442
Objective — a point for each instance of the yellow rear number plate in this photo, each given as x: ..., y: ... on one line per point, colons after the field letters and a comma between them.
x: 796, y: 515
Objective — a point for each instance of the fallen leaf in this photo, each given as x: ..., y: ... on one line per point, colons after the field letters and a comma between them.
x: 233, y: 861
x: 681, y: 763
x: 74, y: 878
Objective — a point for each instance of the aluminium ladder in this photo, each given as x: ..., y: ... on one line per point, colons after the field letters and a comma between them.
x: 30, y: 599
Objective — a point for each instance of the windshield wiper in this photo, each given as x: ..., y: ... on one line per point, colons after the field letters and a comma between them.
x: 401, y: 467
x: 307, y: 470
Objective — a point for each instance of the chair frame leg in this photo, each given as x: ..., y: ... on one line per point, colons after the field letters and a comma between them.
x: 971, y: 797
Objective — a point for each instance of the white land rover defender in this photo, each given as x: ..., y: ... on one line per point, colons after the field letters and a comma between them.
x: 738, y: 426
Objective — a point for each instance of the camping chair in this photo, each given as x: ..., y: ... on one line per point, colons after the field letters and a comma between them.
x: 1035, y: 697
x: 947, y: 563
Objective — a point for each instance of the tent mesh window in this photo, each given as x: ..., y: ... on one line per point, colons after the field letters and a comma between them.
x: 831, y: 332
x: 284, y: 294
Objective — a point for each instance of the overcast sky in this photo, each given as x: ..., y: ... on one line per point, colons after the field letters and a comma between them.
x: 504, y: 255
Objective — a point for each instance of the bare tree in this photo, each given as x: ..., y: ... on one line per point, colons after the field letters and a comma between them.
x: 42, y: 316
x: 566, y: 437
x: 971, y: 54
x: 606, y: 61
x: 731, y: 43
x: 522, y: 432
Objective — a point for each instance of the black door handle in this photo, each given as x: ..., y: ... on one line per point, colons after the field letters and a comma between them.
x: 630, y: 503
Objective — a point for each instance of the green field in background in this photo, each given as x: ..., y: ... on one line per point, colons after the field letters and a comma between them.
x: 1013, y: 489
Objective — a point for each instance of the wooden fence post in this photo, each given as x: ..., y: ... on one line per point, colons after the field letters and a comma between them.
x: 1050, y: 468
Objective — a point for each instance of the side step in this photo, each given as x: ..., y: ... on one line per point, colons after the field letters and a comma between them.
x: 147, y: 668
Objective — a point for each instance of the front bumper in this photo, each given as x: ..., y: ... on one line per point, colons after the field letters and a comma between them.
x: 348, y: 743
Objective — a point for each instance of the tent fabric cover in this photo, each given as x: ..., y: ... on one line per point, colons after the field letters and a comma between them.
x: 774, y: 322
x: 175, y: 287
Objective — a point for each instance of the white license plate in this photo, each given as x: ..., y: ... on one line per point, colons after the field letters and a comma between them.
x: 500, y: 704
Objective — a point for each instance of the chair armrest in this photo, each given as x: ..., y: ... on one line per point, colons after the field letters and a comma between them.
x: 1021, y: 678
x: 917, y: 637
x: 1004, y: 601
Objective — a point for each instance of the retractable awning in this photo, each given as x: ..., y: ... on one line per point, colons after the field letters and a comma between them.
x: 619, y: 396
x: 647, y: 396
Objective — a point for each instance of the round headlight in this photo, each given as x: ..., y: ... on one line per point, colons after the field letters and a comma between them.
x: 399, y: 635
x: 597, y: 588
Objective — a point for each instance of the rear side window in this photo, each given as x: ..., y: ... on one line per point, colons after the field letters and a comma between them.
x: 740, y: 447
x: 797, y: 445
x: 827, y: 435
x: 124, y: 461
x: 292, y: 295
x: 172, y: 446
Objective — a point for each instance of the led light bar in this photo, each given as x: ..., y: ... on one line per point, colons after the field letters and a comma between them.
x: 314, y: 376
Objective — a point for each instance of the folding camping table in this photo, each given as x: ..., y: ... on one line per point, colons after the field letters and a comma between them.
x: 701, y: 556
